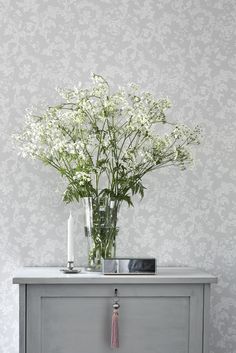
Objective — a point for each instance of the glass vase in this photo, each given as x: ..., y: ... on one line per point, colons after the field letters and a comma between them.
x: 100, y: 225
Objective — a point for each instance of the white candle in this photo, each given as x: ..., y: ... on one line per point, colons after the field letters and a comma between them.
x: 70, y: 243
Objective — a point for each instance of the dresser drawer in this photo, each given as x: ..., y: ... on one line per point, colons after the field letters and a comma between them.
x: 154, y: 318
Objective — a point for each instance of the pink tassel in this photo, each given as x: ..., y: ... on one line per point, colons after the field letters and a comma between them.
x: 115, y: 326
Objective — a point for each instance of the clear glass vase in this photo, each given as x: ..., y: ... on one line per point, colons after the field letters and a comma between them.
x: 100, y: 225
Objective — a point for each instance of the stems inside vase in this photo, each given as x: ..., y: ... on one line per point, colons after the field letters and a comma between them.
x: 100, y: 228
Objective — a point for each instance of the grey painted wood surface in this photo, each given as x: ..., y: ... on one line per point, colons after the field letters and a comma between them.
x: 206, y: 314
x: 49, y: 275
x: 155, y: 317
x: 77, y: 318
x: 22, y: 317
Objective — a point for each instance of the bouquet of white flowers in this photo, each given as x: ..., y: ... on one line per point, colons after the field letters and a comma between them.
x: 104, y: 143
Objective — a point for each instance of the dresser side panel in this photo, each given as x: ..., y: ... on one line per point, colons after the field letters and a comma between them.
x: 22, y: 317
x: 206, y: 318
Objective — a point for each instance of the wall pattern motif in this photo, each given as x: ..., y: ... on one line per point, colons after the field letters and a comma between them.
x: 183, y: 49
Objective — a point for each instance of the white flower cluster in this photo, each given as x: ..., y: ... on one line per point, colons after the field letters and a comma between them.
x: 95, y: 135
x: 82, y: 178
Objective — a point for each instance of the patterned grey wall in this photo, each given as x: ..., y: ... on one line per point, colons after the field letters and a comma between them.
x: 183, y: 49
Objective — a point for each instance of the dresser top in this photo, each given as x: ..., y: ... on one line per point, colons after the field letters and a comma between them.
x: 168, y: 275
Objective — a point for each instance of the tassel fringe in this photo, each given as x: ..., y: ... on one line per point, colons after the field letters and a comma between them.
x: 115, y: 329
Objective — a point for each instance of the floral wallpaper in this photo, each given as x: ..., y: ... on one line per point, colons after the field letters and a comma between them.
x: 181, y: 49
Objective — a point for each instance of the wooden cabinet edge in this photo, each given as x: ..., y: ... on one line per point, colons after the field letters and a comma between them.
x: 22, y: 317
x: 206, y: 315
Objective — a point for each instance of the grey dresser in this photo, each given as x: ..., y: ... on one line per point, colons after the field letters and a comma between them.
x: 163, y: 313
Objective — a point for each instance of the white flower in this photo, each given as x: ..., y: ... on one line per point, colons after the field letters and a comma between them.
x: 82, y: 178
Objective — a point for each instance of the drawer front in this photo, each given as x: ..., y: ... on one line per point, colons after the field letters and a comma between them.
x: 77, y: 318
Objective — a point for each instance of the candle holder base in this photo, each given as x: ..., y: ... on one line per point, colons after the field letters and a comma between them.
x: 66, y: 270
x: 70, y: 268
